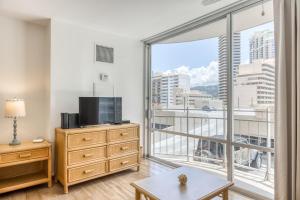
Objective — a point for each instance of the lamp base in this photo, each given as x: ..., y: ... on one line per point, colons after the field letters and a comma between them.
x: 14, y: 142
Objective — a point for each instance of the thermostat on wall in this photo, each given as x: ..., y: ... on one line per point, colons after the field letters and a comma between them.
x: 103, y: 77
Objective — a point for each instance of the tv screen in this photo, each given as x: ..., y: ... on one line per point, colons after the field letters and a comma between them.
x: 100, y: 110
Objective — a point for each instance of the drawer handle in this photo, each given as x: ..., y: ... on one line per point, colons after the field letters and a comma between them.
x: 88, y: 171
x: 87, y: 155
x: 86, y: 139
x: 25, y: 155
x: 124, y: 148
x: 124, y: 162
x: 124, y: 134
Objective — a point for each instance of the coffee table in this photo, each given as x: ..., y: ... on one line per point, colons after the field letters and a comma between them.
x: 200, y: 185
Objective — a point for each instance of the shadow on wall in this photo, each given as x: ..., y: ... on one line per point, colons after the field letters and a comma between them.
x: 24, y: 73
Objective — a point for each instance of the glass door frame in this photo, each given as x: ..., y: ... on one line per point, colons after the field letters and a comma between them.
x: 224, y: 13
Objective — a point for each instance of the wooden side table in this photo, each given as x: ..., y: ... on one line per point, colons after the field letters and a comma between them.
x: 24, y: 165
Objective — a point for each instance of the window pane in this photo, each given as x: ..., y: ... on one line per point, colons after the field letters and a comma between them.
x: 254, y: 96
x: 189, y: 98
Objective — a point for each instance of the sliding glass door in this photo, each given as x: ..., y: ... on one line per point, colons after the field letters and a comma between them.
x: 189, y: 72
x: 254, y: 97
x: 211, y: 96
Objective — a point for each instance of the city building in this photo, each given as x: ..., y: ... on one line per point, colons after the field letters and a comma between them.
x: 262, y: 45
x: 156, y: 84
x: 236, y: 59
x: 255, y: 84
x: 195, y: 99
x: 164, y: 84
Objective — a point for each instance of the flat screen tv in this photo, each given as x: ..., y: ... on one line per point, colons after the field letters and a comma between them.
x: 100, y: 110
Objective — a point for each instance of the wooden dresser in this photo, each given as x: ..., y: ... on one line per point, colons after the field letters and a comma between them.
x: 86, y: 153
x: 24, y: 165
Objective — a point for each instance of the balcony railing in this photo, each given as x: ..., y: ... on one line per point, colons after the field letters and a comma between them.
x: 199, y: 137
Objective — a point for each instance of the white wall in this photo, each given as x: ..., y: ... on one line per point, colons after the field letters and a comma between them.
x: 73, y: 70
x: 51, y: 66
x: 24, y: 73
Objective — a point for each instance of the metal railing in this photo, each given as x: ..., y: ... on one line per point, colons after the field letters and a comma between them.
x: 186, y: 129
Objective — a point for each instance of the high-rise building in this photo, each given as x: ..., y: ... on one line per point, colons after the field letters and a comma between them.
x: 236, y: 59
x: 262, y: 45
x: 156, y: 82
x: 255, y: 84
x: 164, y: 85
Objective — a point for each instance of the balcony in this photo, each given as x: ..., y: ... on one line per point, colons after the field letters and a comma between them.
x: 199, y: 138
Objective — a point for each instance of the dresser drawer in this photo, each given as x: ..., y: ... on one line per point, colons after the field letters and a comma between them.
x: 85, y: 139
x: 76, y: 157
x: 24, y: 155
x: 87, y: 171
x: 119, y: 163
x: 122, y: 148
x: 122, y: 134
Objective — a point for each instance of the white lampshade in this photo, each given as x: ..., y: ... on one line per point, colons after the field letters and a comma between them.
x: 15, y: 108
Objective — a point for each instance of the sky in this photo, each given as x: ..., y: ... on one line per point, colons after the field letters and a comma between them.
x: 192, y: 54
x: 199, y: 58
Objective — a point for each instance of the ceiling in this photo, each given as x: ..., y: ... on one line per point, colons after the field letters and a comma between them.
x: 132, y: 18
x: 241, y: 20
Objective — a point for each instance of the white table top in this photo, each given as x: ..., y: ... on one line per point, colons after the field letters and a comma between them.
x: 200, y: 185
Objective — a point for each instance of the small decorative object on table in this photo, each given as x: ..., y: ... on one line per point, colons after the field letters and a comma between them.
x: 38, y: 140
x: 182, y: 179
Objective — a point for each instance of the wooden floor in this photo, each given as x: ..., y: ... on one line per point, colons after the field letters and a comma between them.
x: 112, y: 187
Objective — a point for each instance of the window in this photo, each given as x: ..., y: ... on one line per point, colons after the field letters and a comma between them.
x: 254, y: 112
x: 193, y: 110
x: 212, y: 115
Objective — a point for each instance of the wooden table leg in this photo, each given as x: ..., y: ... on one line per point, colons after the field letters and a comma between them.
x: 225, y: 195
x: 50, y: 183
x: 66, y: 189
x: 137, y: 194
x: 49, y: 168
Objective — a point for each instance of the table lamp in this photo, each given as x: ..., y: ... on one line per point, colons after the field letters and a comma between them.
x: 15, y: 108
